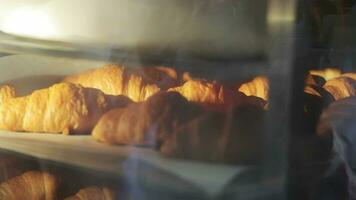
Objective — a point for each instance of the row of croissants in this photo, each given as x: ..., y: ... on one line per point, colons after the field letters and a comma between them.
x: 43, y: 185
x: 160, y: 108
x: 24, y: 178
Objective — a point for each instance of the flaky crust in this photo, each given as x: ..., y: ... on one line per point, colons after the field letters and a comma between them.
x: 118, y: 80
x: 212, y: 95
x: 6, y: 92
x: 341, y: 87
x: 93, y: 193
x: 62, y: 108
x: 258, y: 87
x: 350, y: 75
x: 30, y: 185
x: 145, y: 123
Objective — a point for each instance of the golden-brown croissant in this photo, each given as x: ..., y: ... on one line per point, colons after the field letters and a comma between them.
x: 33, y: 185
x: 62, y: 108
x: 258, y: 87
x: 118, y: 80
x: 213, y: 95
x: 93, y: 193
x: 341, y: 87
x: 145, y: 123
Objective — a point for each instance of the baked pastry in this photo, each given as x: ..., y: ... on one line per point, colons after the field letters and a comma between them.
x: 30, y: 185
x: 258, y: 87
x: 214, y: 96
x: 350, y: 75
x: 118, y: 80
x: 93, y: 193
x: 327, y: 74
x: 62, y: 108
x: 341, y: 87
x: 6, y: 92
x: 233, y: 137
x: 145, y: 123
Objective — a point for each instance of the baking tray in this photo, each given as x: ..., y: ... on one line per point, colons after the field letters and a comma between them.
x: 27, y: 73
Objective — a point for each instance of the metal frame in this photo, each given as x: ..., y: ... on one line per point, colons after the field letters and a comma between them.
x: 281, y: 18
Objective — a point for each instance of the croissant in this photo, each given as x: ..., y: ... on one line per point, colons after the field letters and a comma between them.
x: 232, y: 137
x: 63, y: 108
x: 350, y: 75
x: 213, y: 96
x: 118, y: 80
x: 145, y: 123
x: 341, y: 87
x: 93, y: 193
x: 34, y: 185
x: 258, y: 87
x: 327, y: 74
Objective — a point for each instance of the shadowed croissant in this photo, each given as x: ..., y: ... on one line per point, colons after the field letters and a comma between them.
x: 145, y: 123
x: 63, y: 108
x: 34, y: 185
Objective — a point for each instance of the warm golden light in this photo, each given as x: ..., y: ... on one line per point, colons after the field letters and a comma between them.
x: 327, y: 74
x: 29, y: 22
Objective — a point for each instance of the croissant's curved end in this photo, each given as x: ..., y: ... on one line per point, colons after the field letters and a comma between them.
x: 35, y: 184
x: 6, y: 92
x: 93, y: 192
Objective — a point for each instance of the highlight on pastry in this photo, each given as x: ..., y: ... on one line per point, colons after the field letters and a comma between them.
x: 62, y: 108
x: 30, y: 185
x: 93, y: 193
x: 138, y: 85
x: 327, y: 74
x: 212, y: 95
x: 258, y: 87
x: 6, y: 92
